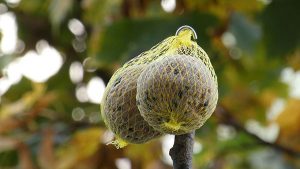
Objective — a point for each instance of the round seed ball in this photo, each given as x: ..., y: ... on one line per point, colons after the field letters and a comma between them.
x: 120, y: 111
x: 176, y: 94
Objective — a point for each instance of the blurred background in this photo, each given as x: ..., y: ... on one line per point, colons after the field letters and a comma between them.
x: 56, y: 57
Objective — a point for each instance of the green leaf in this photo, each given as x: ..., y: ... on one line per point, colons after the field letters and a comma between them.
x: 34, y: 7
x: 247, y: 33
x: 8, y: 158
x: 281, y: 25
x: 96, y: 13
x: 128, y: 38
x: 58, y: 11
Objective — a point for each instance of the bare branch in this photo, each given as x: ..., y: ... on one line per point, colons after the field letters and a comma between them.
x: 226, y: 118
x: 182, y: 151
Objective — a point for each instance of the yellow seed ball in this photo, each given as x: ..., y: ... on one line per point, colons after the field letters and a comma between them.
x: 176, y: 94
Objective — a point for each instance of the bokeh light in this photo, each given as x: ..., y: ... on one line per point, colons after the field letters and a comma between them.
x: 81, y: 93
x: 78, y: 114
x: 168, y: 5
x: 76, y: 27
x: 123, y: 163
x: 76, y: 72
x: 292, y: 79
x: 167, y: 143
x: 40, y: 66
x: 95, y: 90
x: 228, y: 39
x: 8, y: 29
x: 267, y: 133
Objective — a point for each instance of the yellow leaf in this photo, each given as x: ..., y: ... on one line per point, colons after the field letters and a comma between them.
x: 289, y: 122
x: 84, y: 144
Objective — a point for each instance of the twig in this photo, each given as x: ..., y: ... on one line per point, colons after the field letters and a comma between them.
x: 182, y: 151
x: 226, y: 118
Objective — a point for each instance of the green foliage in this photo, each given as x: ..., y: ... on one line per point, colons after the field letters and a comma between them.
x: 246, y: 32
x: 47, y: 125
x: 131, y: 37
x: 8, y: 158
x: 280, y: 22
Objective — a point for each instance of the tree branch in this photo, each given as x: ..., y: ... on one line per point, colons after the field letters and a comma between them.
x: 226, y: 118
x: 182, y: 151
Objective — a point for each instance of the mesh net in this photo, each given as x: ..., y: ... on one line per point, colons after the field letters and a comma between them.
x: 120, y: 110
x: 119, y: 106
x: 177, y: 94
